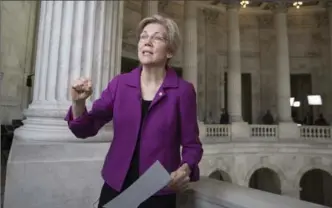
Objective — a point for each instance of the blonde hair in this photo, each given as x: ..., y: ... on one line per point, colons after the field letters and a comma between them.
x: 173, y: 33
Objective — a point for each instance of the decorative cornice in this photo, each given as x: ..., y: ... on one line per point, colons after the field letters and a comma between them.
x: 278, y: 7
x: 233, y: 5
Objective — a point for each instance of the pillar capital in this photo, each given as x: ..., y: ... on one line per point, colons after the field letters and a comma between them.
x: 149, y: 8
x: 278, y: 7
x: 233, y: 5
x: 328, y: 3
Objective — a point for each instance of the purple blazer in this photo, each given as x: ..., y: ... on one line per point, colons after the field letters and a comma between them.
x: 170, y: 123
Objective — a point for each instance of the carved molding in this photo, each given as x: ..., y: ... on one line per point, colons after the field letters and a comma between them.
x: 162, y: 5
x: 211, y: 16
x: 307, y: 21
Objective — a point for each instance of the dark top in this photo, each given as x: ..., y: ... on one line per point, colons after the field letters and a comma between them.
x: 133, y: 172
x: 108, y: 193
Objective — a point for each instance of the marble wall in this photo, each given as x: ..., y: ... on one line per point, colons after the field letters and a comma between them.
x: 18, y: 20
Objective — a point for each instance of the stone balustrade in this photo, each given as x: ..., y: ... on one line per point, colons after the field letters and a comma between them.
x: 210, y: 193
x: 316, y: 132
x: 221, y: 133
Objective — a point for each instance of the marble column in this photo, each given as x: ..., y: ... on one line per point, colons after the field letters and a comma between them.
x: 75, y: 39
x: 329, y: 10
x: 234, y: 65
x: 282, y: 63
x: 149, y: 8
x: 190, y: 43
x: 287, y: 128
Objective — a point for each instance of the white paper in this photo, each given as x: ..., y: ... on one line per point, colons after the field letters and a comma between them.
x: 153, y: 180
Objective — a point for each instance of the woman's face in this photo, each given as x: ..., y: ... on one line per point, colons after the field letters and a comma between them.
x: 153, y: 45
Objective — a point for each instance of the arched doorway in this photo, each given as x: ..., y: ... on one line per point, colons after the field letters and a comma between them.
x: 220, y: 175
x: 316, y: 187
x: 265, y: 179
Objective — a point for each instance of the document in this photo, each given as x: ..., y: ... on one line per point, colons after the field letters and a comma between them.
x: 154, y: 179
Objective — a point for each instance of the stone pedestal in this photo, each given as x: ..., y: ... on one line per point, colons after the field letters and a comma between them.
x: 240, y: 131
x: 54, y: 175
x: 48, y: 166
x: 288, y: 131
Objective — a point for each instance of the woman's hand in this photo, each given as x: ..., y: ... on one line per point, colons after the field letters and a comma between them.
x: 81, y: 90
x: 180, y: 178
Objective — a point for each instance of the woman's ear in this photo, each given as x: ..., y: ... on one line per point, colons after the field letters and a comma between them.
x: 169, y: 55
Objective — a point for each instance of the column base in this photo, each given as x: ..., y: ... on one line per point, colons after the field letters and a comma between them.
x: 46, y: 123
x: 54, y: 175
x: 240, y: 131
x: 289, y: 131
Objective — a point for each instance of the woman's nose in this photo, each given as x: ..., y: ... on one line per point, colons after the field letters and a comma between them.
x: 148, y: 42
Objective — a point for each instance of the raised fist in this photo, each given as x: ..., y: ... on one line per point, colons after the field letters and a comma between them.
x: 81, y: 89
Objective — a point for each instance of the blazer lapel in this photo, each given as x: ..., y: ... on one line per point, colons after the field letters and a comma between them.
x: 170, y: 81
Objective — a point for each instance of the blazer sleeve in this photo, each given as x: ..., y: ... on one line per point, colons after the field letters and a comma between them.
x: 89, y: 123
x: 192, y: 150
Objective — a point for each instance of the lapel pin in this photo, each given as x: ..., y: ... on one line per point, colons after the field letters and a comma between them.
x: 160, y: 94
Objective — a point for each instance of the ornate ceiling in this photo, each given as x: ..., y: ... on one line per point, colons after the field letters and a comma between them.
x: 264, y: 6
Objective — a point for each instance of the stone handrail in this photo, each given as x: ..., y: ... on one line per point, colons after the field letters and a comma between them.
x: 210, y: 193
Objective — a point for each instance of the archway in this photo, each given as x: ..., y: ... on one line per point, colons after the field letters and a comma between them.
x: 316, y: 187
x: 265, y: 179
x: 221, y: 176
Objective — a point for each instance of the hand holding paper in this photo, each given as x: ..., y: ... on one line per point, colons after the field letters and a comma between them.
x: 154, y: 179
x: 180, y: 178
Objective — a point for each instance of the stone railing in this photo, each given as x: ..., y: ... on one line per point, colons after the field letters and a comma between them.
x: 213, y: 130
x: 224, y: 133
x: 210, y: 193
x: 264, y: 131
x: 314, y: 132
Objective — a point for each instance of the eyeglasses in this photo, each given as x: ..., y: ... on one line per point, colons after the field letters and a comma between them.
x: 155, y: 38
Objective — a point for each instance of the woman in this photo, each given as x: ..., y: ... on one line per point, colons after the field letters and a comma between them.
x: 153, y: 113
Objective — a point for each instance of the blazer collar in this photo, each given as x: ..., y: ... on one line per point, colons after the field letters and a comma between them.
x: 170, y: 81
